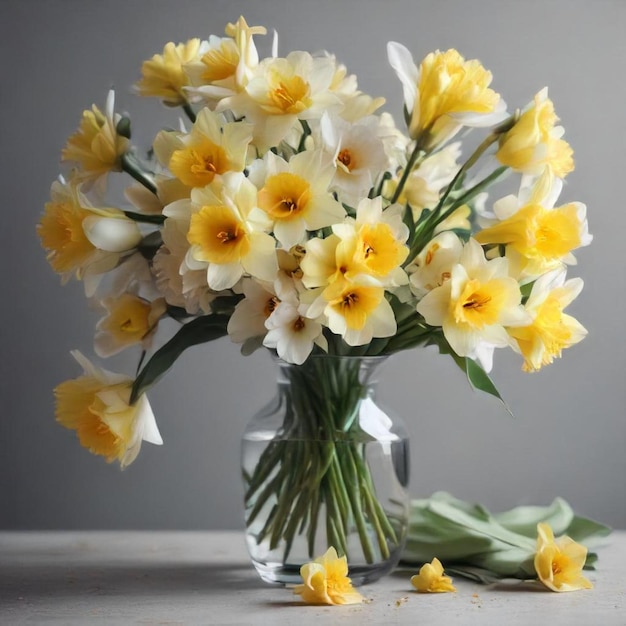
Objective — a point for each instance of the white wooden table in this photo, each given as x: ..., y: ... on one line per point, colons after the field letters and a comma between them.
x: 205, y: 578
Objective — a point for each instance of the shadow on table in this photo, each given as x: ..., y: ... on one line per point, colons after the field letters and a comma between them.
x: 103, y: 579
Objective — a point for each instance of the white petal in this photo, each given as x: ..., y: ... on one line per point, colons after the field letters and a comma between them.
x: 111, y: 234
x: 402, y: 62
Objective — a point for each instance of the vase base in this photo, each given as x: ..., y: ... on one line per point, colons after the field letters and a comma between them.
x: 289, y: 574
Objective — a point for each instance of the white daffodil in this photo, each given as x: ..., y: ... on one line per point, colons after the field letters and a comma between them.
x: 96, y: 405
x: 538, y: 237
x: 129, y: 320
x: 292, y: 335
x: 228, y: 233
x: 355, y: 104
x: 444, y: 94
x: 179, y: 284
x: 251, y: 313
x: 476, y: 305
x: 433, y: 265
x: 551, y: 330
x: 358, y: 154
x: 282, y: 91
x: 295, y: 194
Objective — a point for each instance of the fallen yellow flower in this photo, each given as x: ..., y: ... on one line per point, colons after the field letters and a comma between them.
x: 326, y: 581
x: 431, y: 579
x: 559, y: 563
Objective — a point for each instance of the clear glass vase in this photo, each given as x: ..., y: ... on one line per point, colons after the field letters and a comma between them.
x: 324, y: 465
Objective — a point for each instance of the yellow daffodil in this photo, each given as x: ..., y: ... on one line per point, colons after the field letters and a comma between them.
x: 538, y: 237
x: 431, y: 579
x: 444, y: 94
x: 534, y: 143
x: 96, y: 147
x: 551, y: 330
x: 373, y: 243
x: 295, y: 195
x: 164, y: 75
x: 96, y: 405
x: 356, y: 310
x: 475, y: 305
x: 326, y: 581
x: 81, y: 240
x: 129, y: 320
x: 211, y: 149
x: 559, y: 563
x: 225, y: 64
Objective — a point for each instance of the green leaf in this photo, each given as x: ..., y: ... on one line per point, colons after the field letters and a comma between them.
x: 200, y: 330
x: 476, y: 375
x: 479, y: 379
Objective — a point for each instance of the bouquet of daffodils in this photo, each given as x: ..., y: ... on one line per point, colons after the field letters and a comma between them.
x: 284, y: 210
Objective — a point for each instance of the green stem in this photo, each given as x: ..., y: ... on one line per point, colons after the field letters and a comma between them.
x: 416, y: 157
x: 132, y: 168
x: 189, y: 112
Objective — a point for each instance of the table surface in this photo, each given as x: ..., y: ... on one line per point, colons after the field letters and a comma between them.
x: 206, y: 578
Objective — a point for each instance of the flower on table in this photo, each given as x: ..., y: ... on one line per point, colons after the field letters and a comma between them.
x: 559, y: 563
x: 326, y: 581
x: 96, y: 405
x: 96, y: 146
x: 431, y: 579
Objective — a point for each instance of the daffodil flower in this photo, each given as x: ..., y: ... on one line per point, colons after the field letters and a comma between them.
x: 164, y: 75
x: 212, y: 148
x: 96, y: 146
x: 431, y: 579
x: 130, y: 320
x: 228, y: 233
x: 551, y: 330
x: 559, y: 563
x: 538, y: 236
x: 326, y: 581
x: 476, y: 305
x: 295, y: 195
x: 444, y: 94
x: 535, y: 143
x: 82, y: 240
x: 96, y: 405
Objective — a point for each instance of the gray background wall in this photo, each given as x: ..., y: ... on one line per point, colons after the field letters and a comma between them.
x: 569, y: 434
